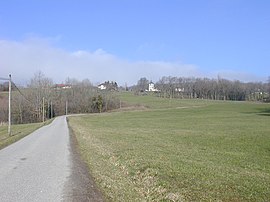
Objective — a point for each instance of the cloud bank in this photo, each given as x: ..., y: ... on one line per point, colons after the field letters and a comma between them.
x: 23, y: 59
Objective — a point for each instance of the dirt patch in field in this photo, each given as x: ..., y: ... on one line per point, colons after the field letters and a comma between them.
x: 131, y: 108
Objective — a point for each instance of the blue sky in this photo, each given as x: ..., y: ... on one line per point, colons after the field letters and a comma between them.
x: 124, y: 40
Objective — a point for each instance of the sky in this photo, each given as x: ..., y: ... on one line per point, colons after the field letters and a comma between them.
x: 124, y: 40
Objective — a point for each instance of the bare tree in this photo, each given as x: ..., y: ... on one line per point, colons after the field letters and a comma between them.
x: 40, y: 87
x: 142, y: 84
x: 216, y: 89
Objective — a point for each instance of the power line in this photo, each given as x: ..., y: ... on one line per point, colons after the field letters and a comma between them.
x: 21, y: 93
x: 12, y: 84
x: 32, y: 104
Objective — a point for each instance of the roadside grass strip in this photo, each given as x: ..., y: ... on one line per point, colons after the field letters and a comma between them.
x: 18, y: 132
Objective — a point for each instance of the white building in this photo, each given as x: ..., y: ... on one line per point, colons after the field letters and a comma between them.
x: 111, y: 86
x: 102, y: 86
x: 151, y: 87
x: 179, y: 89
x: 62, y: 86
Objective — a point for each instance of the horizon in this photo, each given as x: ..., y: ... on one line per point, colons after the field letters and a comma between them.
x: 96, y: 84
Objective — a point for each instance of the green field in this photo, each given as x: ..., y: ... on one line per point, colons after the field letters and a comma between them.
x: 18, y: 132
x: 178, y: 150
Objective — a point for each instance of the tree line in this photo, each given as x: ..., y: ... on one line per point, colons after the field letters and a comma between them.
x: 42, y: 99
x: 205, y: 88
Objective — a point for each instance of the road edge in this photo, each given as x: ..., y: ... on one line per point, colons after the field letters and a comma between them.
x: 80, y: 185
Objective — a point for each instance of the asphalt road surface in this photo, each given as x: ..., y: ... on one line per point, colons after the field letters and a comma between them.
x: 44, y: 166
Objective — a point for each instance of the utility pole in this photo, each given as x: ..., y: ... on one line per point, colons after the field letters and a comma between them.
x: 66, y: 107
x: 43, y: 112
x: 9, y: 106
x: 51, y: 110
x: 47, y: 111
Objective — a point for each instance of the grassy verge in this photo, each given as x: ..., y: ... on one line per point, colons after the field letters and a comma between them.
x: 179, y: 150
x: 18, y: 132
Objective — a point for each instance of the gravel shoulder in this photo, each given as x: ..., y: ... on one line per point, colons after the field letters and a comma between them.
x: 80, y: 186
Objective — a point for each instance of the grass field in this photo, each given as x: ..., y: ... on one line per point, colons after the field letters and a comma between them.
x: 18, y: 132
x: 179, y: 150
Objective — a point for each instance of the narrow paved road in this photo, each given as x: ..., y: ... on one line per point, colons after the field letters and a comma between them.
x: 40, y: 167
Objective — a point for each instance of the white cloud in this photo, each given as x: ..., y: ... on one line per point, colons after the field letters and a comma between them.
x: 24, y: 58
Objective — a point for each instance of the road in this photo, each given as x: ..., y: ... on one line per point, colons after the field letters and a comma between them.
x: 42, y: 167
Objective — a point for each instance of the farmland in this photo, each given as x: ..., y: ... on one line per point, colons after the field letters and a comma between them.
x: 178, y: 150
